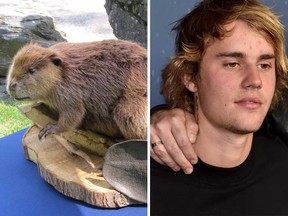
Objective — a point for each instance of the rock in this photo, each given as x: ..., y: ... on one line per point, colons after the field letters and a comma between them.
x: 21, y: 22
x: 3, y: 92
x: 128, y: 19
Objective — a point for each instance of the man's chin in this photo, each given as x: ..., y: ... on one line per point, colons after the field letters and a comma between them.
x: 243, y: 131
x: 250, y: 125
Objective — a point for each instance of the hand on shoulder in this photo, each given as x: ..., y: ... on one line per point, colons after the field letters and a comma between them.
x: 172, y: 134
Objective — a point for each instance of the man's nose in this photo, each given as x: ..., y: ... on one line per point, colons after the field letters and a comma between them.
x: 252, y: 78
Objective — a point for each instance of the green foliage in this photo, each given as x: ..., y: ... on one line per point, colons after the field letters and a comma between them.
x: 11, y: 119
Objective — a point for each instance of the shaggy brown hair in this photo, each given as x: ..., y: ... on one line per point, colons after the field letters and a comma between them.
x: 206, y: 22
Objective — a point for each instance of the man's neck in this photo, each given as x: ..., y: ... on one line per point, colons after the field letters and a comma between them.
x: 222, y: 148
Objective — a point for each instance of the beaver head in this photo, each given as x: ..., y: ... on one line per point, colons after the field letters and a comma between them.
x: 34, y: 72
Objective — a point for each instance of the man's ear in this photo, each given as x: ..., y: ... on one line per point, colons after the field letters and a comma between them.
x: 190, y: 83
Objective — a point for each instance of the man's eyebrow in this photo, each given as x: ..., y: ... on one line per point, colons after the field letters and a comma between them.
x: 242, y: 55
x: 267, y: 57
x: 231, y: 54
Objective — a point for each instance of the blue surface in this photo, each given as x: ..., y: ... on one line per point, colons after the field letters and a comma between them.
x: 24, y: 192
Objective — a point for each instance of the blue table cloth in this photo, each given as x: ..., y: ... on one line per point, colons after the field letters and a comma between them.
x: 24, y: 192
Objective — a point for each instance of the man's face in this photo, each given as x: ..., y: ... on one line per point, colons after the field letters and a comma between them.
x: 237, y: 81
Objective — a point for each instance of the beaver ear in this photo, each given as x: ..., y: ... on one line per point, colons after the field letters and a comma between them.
x: 56, y: 60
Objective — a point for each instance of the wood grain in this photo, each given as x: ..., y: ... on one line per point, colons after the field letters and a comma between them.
x: 71, y: 162
x: 70, y: 174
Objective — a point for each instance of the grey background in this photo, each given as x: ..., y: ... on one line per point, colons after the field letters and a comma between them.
x: 163, y: 13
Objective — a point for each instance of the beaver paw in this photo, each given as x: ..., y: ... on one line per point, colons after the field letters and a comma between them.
x: 48, y: 129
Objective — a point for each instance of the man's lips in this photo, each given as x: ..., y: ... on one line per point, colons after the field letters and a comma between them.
x: 249, y: 102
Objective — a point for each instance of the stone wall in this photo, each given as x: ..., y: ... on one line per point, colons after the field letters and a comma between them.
x: 128, y: 19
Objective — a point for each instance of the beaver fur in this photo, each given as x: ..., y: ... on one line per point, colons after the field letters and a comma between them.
x: 98, y: 86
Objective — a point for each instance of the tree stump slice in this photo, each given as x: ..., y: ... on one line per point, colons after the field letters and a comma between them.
x: 84, y: 140
x: 70, y: 174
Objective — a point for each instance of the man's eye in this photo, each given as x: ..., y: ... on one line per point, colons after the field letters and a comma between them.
x: 231, y: 65
x: 264, y: 66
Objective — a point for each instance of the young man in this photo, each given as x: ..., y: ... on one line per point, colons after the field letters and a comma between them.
x: 229, y: 68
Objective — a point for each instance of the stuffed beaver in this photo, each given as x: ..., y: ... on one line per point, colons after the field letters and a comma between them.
x: 98, y: 86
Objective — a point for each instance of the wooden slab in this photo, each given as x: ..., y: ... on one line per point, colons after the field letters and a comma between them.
x: 70, y: 174
x: 85, y: 140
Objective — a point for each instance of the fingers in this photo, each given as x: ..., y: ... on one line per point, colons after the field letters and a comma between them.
x: 163, y: 158
x: 181, y: 140
x: 192, y: 132
x: 177, y: 152
x: 191, y: 126
x: 160, y: 153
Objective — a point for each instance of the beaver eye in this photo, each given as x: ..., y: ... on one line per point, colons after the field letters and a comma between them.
x: 31, y: 70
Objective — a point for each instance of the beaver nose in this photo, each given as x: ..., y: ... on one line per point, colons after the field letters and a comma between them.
x: 12, y: 87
